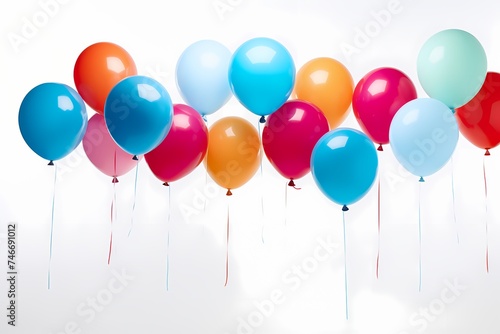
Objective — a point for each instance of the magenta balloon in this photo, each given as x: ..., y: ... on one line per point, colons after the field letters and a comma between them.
x: 184, y: 147
x: 290, y: 135
x: 102, y: 150
x: 376, y: 99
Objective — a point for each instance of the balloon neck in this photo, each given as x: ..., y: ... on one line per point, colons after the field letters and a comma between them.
x: 292, y: 184
x: 345, y: 208
x: 487, y: 152
x: 166, y: 184
x: 262, y: 119
x: 204, y: 118
x: 229, y: 193
x: 135, y: 158
x: 115, y: 180
x: 51, y: 163
x: 380, y: 148
x: 421, y: 179
x: 453, y: 110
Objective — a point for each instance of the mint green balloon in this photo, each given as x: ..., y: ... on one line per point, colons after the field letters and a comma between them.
x: 451, y: 67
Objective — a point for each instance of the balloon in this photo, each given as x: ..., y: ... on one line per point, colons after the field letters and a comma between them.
x: 103, y: 152
x: 344, y: 165
x: 376, y: 99
x: 138, y: 113
x: 98, y: 69
x: 423, y: 136
x: 201, y: 75
x: 261, y: 75
x: 452, y: 66
x: 233, y: 154
x: 327, y: 84
x: 289, y: 137
x: 52, y: 120
x: 479, y: 119
x: 183, y: 149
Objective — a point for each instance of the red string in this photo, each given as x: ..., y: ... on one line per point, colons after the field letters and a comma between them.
x: 112, y: 219
x: 486, y: 209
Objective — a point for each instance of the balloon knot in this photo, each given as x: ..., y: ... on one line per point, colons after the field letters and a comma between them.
x: 487, y: 152
x: 115, y: 180
x: 51, y: 163
x: 421, y: 179
x: 135, y: 157
x: 380, y: 148
x: 204, y: 118
x: 262, y: 119
x: 166, y: 184
x: 345, y: 208
x: 229, y: 193
x: 292, y: 184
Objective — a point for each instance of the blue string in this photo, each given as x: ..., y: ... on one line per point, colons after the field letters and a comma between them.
x: 419, y: 239
x: 168, y: 238
x: 52, y: 227
x: 262, y: 192
x: 135, y: 198
x: 345, y: 271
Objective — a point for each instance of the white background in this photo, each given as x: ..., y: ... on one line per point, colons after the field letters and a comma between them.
x: 155, y: 33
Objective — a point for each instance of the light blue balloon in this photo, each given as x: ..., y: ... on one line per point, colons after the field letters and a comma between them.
x: 423, y: 136
x: 452, y: 67
x: 344, y: 165
x: 201, y: 75
x: 138, y: 113
x: 262, y: 75
x: 53, y: 120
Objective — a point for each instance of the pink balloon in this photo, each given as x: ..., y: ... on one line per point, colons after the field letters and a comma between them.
x: 184, y: 147
x: 376, y: 99
x: 290, y: 135
x: 103, y: 152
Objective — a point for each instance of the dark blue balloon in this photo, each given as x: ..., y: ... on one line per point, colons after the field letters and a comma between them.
x: 344, y: 165
x: 138, y: 113
x: 52, y: 120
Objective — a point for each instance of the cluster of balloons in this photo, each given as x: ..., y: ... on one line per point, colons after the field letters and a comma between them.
x: 135, y: 116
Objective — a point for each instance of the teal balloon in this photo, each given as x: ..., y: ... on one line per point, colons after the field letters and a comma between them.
x: 262, y: 75
x: 452, y: 67
x: 52, y: 120
x: 201, y: 76
x: 423, y: 136
x: 344, y: 165
x: 138, y: 113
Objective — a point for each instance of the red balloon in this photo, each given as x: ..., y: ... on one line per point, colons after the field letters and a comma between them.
x: 184, y: 147
x: 103, y: 152
x: 479, y: 119
x: 376, y: 99
x: 290, y: 135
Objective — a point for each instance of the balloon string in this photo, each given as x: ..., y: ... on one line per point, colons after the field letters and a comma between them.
x: 262, y: 190
x: 52, y: 228
x: 135, y: 198
x: 113, y: 201
x: 227, y: 246
x: 286, y: 202
x: 419, y: 238
x: 453, y: 200
x: 378, y: 225
x: 168, y: 237
x: 345, y: 270
x: 486, y: 214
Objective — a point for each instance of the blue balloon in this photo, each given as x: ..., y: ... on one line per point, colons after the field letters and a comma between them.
x: 344, y: 165
x: 138, y: 113
x: 423, y: 136
x: 262, y: 75
x: 52, y: 120
x: 201, y: 75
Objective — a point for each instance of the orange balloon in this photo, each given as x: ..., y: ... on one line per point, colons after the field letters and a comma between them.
x: 328, y: 85
x: 233, y: 154
x: 98, y: 69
